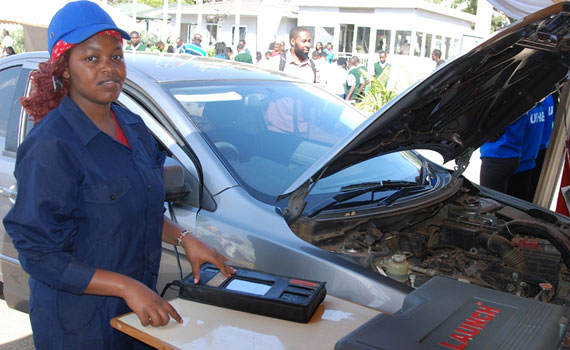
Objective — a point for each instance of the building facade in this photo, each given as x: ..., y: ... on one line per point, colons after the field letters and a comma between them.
x: 407, y: 30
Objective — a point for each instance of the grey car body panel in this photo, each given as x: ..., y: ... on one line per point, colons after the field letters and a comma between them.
x: 253, y: 234
x: 249, y: 232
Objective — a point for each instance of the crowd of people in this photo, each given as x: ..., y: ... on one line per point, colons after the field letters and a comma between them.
x: 345, y: 77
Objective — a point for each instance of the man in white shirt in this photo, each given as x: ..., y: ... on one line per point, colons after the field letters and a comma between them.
x: 6, y: 42
x: 296, y: 61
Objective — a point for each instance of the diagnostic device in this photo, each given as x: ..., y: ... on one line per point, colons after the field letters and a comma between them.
x: 256, y: 292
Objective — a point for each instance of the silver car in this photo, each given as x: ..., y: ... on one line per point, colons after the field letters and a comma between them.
x: 283, y: 177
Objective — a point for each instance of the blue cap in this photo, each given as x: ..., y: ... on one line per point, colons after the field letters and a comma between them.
x: 78, y: 21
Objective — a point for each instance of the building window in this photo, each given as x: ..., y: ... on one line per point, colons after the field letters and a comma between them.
x: 427, y: 46
x: 345, y: 38
x: 403, y: 39
x: 362, y: 39
x: 324, y: 35
x: 241, y: 34
x: 311, y: 31
x: 212, y: 28
x: 455, y: 48
x: 418, y: 44
x: 382, y: 40
x: 447, y: 48
x: 438, y: 44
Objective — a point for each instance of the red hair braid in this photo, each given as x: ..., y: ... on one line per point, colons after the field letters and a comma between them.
x: 44, y: 95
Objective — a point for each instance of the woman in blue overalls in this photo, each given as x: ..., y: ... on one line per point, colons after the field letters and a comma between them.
x: 88, y: 220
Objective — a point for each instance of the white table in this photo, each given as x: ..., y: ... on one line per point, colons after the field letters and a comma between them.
x: 210, y: 327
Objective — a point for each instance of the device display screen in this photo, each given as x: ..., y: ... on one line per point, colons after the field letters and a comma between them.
x: 248, y: 286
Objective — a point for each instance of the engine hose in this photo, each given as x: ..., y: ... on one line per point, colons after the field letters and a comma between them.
x: 502, y: 246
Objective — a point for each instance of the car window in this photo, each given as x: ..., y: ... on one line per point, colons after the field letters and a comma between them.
x: 267, y: 134
x: 8, y: 80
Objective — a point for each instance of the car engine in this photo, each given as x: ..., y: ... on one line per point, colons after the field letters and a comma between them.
x: 467, y: 237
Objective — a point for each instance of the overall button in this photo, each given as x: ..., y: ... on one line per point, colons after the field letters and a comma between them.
x: 148, y: 188
x: 112, y: 196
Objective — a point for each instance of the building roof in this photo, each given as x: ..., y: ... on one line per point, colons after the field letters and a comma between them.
x: 288, y: 8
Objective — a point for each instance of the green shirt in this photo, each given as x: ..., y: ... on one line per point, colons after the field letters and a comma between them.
x: 382, y: 73
x: 141, y: 47
x: 244, y: 57
x: 357, y: 77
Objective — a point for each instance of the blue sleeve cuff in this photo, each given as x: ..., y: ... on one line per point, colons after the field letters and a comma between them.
x: 76, y: 277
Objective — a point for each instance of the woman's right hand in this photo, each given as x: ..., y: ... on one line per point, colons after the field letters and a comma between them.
x: 145, y: 303
x: 149, y: 306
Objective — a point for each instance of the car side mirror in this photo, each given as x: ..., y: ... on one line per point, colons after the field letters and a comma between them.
x: 174, y: 183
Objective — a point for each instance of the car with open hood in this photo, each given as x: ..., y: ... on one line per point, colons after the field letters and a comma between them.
x: 281, y: 176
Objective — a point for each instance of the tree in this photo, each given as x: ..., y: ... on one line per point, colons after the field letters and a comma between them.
x: 153, y: 3
x: 469, y: 6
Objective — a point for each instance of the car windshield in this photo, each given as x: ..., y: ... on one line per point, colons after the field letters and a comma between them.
x: 268, y: 134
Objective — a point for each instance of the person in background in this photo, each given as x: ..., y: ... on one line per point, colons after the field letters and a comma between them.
x: 296, y: 61
x: 158, y: 47
x: 519, y: 183
x: 266, y: 61
x: 245, y: 49
x: 258, y: 58
x: 382, y: 67
x: 355, y: 82
x: 243, y: 56
x: 89, y: 216
x: 10, y: 51
x: 436, y: 57
x: 275, y: 50
x: 6, y: 42
x: 135, y: 44
x: 194, y: 48
x: 329, y: 51
x: 229, y: 53
x: 179, y: 45
x: 319, y: 47
x: 500, y: 156
x: 337, y: 77
x: 170, y: 49
x: 220, y: 50
x: 197, y: 39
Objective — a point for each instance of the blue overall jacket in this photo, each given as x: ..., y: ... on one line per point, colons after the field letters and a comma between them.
x: 85, y: 201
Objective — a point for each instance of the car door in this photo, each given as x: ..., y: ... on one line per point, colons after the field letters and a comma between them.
x: 14, y: 125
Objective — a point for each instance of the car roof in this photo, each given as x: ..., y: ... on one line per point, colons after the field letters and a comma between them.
x: 165, y: 68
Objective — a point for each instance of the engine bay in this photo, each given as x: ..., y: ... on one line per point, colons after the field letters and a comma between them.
x: 468, y: 237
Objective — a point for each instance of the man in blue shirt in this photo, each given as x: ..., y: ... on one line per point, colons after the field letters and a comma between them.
x: 195, y: 48
x: 500, y: 157
x: 519, y: 182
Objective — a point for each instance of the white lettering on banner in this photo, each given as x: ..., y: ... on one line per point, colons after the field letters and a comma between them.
x: 537, y: 118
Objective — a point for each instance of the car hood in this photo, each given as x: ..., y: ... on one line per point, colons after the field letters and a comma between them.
x: 463, y: 103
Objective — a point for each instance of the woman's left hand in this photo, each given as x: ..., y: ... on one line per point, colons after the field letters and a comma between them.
x: 198, y: 253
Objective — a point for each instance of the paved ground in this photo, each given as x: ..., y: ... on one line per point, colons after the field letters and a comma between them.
x: 15, y: 329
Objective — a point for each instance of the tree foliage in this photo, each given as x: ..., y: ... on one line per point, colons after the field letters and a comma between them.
x: 153, y: 3
x: 377, y: 94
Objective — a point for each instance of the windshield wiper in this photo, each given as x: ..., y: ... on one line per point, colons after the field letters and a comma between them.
x: 383, y: 185
x: 355, y: 190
